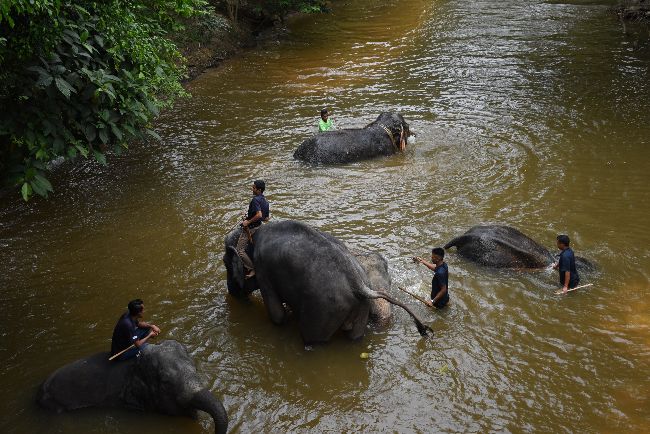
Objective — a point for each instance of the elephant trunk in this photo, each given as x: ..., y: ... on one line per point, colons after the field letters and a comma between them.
x: 205, y: 401
x: 422, y: 328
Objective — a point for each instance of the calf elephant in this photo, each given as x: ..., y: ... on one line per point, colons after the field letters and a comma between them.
x: 505, y: 247
x: 316, y: 276
x: 385, y: 136
x: 162, y: 379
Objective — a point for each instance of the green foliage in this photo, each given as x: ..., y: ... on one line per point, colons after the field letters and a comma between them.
x: 270, y: 8
x: 82, y: 78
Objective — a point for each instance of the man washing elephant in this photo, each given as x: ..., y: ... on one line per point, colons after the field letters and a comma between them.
x: 258, y: 212
x: 566, y: 265
x: 440, y: 281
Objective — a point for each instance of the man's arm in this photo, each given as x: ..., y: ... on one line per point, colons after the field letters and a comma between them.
x: 146, y: 325
x: 429, y: 265
x: 567, y: 279
x: 256, y: 217
x: 439, y: 295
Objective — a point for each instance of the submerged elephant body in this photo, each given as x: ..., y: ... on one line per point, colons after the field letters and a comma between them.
x: 505, y: 247
x: 385, y: 136
x: 163, y: 379
x: 316, y: 276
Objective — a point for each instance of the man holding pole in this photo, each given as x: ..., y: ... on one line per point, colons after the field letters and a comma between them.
x: 439, y: 283
x: 258, y: 212
x: 566, y: 266
x: 131, y: 332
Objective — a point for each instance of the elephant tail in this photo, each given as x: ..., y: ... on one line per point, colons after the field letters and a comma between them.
x: 422, y: 328
x: 205, y: 401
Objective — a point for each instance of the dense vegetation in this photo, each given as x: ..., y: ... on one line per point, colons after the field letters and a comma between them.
x: 86, y: 78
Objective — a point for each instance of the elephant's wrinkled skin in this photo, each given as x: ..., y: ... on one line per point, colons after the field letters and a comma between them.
x: 162, y: 379
x: 505, y: 247
x: 316, y: 276
x: 348, y: 145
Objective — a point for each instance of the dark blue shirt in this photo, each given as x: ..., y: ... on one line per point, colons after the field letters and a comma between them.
x: 258, y: 203
x: 440, y: 279
x: 124, y: 334
x: 568, y: 263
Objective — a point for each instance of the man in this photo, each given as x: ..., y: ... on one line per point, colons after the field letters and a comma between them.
x: 566, y: 265
x: 325, y: 123
x: 440, y: 281
x: 132, y: 330
x: 258, y: 211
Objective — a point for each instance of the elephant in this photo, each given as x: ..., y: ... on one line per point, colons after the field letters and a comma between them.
x: 162, y: 379
x: 387, y: 135
x: 316, y: 276
x: 505, y: 247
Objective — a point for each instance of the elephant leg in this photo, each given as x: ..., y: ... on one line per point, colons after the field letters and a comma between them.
x: 272, y: 301
x: 318, y: 324
x: 360, y: 321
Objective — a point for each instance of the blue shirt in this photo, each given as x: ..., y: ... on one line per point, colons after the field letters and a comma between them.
x: 258, y: 203
x: 440, y: 279
x: 568, y: 263
x: 124, y: 334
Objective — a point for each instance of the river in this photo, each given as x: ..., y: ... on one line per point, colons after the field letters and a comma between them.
x: 531, y: 114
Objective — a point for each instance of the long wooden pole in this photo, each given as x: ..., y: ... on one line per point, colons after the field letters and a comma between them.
x: 573, y: 289
x: 414, y: 296
x: 121, y: 352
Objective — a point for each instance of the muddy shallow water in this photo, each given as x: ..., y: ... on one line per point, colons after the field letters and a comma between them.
x: 534, y: 115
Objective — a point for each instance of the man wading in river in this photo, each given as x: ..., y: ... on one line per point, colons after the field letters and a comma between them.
x: 440, y: 281
x: 258, y: 211
x: 325, y: 123
x: 569, y: 277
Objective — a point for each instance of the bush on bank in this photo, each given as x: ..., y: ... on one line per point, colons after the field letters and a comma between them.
x: 81, y: 78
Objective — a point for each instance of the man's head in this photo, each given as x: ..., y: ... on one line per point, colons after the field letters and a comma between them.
x: 259, y: 186
x: 136, y: 307
x: 437, y: 254
x: 324, y: 114
x: 563, y: 242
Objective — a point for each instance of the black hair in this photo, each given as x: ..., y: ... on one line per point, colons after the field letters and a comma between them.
x: 260, y: 185
x: 564, y: 239
x: 438, y: 251
x: 135, y: 306
x: 324, y: 112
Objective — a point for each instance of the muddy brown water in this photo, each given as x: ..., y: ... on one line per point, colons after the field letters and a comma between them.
x: 533, y: 114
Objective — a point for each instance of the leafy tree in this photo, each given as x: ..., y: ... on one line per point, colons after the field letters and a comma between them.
x: 81, y: 77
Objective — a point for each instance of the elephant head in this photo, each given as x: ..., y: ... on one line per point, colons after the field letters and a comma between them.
x: 163, y: 379
x: 395, y: 126
x: 238, y: 286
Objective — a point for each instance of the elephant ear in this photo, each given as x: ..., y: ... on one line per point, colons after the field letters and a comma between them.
x: 235, y: 272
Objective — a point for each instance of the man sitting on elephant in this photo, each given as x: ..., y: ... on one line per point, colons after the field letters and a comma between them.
x: 258, y: 211
x: 131, y: 330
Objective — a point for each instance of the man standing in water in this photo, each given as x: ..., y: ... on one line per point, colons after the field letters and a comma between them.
x: 258, y: 211
x: 566, y: 265
x: 131, y: 330
x: 325, y: 123
x: 439, y: 283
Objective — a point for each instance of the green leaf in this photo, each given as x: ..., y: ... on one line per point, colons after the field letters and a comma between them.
x: 90, y: 132
x: 103, y: 135
x: 38, y: 188
x: 26, y: 191
x: 64, y: 87
x: 100, y: 157
x: 41, y: 154
x: 116, y: 132
x: 43, y: 182
x: 72, y: 152
x: 154, y: 134
x: 82, y: 149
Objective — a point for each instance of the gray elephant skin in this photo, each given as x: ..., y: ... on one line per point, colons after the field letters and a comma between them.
x: 505, y: 247
x: 316, y: 276
x: 163, y: 379
x: 385, y: 136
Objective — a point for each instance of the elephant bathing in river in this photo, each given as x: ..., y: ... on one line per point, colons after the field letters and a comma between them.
x: 385, y: 136
x: 316, y: 276
x: 505, y: 247
x: 162, y: 379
